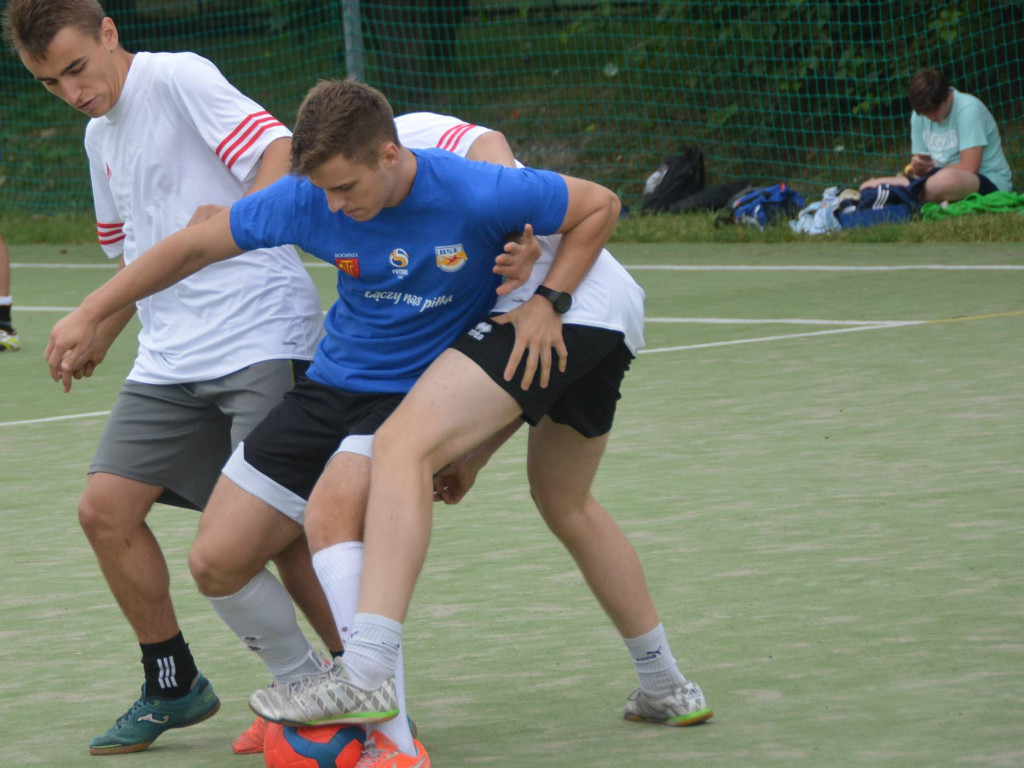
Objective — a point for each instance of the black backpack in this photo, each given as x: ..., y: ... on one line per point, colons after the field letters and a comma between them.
x: 677, y: 177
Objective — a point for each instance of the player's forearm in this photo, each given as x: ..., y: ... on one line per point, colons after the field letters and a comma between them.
x: 182, y: 254
x: 111, y: 328
x: 590, y: 220
x: 275, y: 162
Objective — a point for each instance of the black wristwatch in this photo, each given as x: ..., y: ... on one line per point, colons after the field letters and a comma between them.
x: 560, y: 300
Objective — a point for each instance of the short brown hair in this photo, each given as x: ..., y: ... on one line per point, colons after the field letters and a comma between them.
x: 31, y: 25
x: 341, y: 117
x: 928, y: 89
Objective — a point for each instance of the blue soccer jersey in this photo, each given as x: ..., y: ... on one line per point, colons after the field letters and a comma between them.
x: 417, y: 275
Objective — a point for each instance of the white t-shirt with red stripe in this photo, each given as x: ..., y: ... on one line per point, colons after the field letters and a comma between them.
x: 181, y: 136
x: 608, y: 297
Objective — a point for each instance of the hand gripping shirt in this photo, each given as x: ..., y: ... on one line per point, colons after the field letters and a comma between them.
x: 608, y: 297
x: 181, y: 136
x: 968, y: 124
x: 414, y: 277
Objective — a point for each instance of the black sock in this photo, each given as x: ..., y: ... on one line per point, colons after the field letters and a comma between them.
x: 170, y: 668
x: 5, y: 316
x: 337, y: 654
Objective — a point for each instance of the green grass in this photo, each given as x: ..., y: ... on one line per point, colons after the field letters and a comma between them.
x: 830, y: 526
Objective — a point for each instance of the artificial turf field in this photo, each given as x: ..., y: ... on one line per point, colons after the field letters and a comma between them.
x: 827, y: 498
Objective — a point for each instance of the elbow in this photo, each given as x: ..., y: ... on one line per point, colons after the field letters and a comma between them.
x: 614, y: 207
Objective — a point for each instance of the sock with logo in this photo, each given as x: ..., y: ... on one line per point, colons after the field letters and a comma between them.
x: 169, y: 667
x: 262, y: 615
x: 339, y: 568
x: 371, y: 652
x: 656, y: 667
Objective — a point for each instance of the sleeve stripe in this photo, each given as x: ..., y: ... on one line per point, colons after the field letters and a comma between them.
x: 111, y: 239
x: 450, y: 139
x: 244, y: 135
x: 102, y: 227
x: 252, y: 140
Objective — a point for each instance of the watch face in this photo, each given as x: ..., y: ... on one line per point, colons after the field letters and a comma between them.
x: 562, y: 303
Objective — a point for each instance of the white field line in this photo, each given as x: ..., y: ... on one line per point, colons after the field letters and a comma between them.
x: 816, y: 268
x: 765, y: 321
x: 860, y: 327
x: 673, y: 267
x: 69, y: 417
x: 783, y: 337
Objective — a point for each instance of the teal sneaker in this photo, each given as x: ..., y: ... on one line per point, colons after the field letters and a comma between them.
x: 148, y: 717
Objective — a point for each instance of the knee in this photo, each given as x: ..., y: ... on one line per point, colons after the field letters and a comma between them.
x: 212, y: 572
x: 97, y: 520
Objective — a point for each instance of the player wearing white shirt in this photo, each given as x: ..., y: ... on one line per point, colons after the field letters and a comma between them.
x: 608, y: 297
x: 168, y: 135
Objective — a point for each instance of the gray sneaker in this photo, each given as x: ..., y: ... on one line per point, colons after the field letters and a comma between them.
x: 324, y: 698
x: 686, y: 705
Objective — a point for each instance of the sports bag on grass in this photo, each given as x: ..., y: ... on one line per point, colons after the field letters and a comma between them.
x: 676, y: 178
x: 761, y: 206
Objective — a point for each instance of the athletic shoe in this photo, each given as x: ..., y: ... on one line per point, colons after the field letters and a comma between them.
x: 250, y: 741
x: 326, y: 697
x: 686, y: 705
x: 380, y: 752
x: 150, y: 716
x: 9, y: 340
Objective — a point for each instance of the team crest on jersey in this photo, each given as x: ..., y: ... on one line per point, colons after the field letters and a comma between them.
x: 399, y: 259
x: 450, y: 258
x: 347, y: 263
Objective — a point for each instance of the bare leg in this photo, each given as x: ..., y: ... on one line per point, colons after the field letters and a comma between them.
x: 561, y: 465
x: 895, y: 181
x: 950, y: 184
x: 428, y: 430
x: 112, y: 513
x: 238, y: 534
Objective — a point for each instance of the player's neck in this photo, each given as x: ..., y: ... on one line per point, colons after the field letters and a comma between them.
x: 405, y: 174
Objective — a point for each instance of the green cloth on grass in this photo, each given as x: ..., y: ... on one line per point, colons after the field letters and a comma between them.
x: 993, y: 202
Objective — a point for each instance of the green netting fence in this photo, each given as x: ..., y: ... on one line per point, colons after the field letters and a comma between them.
x: 807, y: 91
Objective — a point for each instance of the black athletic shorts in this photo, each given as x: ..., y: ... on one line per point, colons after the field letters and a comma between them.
x: 293, y: 444
x: 584, y: 397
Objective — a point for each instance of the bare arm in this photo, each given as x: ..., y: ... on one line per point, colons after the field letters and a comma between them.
x: 275, y: 162
x: 73, y: 338
x: 589, y: 220
x: 106, y: 333
x: 453, y: 482
x: 492, y: 147
x: 970, y: 159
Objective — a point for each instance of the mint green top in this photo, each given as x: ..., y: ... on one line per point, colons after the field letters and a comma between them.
x: 968, y: 124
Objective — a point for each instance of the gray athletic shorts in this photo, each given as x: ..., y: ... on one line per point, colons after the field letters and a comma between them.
x: 178, y: 436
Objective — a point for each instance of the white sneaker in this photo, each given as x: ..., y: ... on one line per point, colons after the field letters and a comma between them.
x: 686, y: 705
x: 325, y: 698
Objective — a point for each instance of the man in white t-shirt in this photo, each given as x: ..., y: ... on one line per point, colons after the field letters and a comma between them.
x: 169, y: 135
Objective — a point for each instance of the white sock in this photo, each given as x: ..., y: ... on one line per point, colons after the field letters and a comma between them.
x: 262, y: 615
x: 656, y: 667
x: 339, y: 568
x: 371, y: 654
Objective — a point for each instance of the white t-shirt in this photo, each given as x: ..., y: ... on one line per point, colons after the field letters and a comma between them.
x: 181, y: 136
x: 608, y: 297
